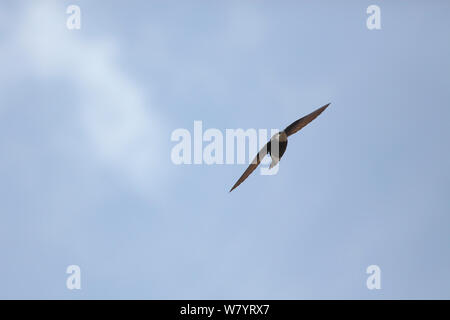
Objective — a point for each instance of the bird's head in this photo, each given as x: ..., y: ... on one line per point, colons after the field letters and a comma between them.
x: 279, y: 136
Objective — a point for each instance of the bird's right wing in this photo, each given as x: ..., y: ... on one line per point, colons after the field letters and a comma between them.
x: 255, y: 163
x: 302, y: 122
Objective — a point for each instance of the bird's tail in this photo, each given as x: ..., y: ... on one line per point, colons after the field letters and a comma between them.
x: 273, y: 163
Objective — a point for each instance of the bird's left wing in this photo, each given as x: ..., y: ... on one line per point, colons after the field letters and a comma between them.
x: 255, y: 163
x: 302, y: 122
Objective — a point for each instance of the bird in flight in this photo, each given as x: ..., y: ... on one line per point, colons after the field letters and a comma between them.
x: 278, y: 144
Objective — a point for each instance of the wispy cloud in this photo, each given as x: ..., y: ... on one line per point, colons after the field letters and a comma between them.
x: 120, y: 124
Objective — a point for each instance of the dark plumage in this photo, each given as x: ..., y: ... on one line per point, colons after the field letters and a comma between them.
x: 278, y: 144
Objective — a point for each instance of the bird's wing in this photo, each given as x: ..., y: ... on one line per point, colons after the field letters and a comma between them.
x: 300, y: 123
x: 255, y: 163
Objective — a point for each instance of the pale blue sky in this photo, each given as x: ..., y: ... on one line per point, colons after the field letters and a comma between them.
x: 85, y: 170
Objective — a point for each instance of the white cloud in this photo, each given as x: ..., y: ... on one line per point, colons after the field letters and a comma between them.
x: 119, y: 124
